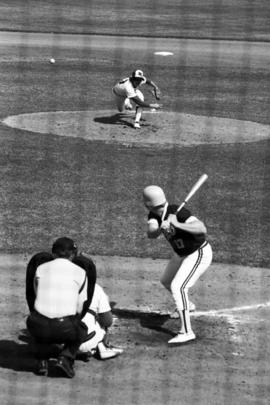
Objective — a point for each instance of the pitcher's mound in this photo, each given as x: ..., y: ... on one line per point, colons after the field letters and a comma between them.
x: 161, y: 128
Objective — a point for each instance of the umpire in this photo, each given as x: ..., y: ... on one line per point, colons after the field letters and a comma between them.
x: 58, y: 292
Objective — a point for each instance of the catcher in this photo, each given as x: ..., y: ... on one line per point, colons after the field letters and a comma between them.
x: 126, y: 90
x: 98, y: 320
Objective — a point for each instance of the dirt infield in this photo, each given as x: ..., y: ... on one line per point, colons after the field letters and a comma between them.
x: 157, y: 128
x: 229, y: 356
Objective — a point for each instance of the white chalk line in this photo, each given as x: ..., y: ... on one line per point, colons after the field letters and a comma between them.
x: 234, y: 321
x: 229, y: 311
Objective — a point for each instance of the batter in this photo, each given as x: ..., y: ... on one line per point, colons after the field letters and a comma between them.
x: 192, y: 252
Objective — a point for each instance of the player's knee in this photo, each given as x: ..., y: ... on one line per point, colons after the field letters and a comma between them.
x: 105, y: 319
x: 177, y: 289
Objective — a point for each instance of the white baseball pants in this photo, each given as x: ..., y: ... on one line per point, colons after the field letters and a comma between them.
x: 182, y: 273
x: 124, y: 103
x: 92, y: 325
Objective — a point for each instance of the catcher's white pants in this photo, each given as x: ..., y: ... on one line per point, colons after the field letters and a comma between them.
x: 182, y: 273
x: 124, y: 103
x: 92, y: 325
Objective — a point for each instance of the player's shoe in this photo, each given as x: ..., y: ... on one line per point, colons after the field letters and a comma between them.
x: 182, y: 338
x: 136, y: 125
x: 42, y: 367
x: 106, y: 352
x: 64, y: 367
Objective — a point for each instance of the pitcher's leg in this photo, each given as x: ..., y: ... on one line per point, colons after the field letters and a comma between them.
x: 139, y: 110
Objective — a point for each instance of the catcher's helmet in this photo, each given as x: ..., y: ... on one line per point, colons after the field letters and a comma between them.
x: 153, y: 196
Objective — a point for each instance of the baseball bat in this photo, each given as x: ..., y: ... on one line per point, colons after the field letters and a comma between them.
x: 193, y: 190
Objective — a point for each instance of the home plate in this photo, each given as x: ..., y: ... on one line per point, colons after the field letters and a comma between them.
x: 163, y: 53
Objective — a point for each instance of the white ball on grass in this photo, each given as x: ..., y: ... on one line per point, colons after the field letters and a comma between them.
x: 52, y: 60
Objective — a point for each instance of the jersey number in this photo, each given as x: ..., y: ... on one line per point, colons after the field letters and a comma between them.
x: 179, y: 243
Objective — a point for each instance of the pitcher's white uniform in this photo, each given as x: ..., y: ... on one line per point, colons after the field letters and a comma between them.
x: 123, y: 91
x: 127, y: 89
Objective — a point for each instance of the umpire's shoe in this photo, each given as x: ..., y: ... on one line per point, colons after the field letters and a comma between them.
x: 64, y: 367
x: 42, y: 367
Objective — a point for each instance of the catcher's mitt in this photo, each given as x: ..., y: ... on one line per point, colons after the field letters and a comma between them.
x: 157, y: 93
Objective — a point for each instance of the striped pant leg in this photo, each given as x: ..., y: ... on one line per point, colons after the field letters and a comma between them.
x: 191, y: 268
x: 171, y: 270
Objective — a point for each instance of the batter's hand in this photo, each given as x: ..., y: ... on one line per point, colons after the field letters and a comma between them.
x: 166, y: 228
x: 172, y: 219
x: 165, y: 225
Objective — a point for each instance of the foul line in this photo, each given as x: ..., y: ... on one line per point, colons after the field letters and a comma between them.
x: 228, y: 311
x: 225, y: 312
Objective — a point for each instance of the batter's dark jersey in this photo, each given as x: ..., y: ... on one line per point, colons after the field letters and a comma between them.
x: 183, y: 243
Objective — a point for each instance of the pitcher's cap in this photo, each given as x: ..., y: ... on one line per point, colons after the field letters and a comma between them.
x: 138, y: 74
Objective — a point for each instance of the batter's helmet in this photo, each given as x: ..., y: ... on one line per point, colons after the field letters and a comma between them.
x: 153, y: 196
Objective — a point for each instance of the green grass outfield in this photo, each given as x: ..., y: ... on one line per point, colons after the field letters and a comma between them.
x: 216, y: 19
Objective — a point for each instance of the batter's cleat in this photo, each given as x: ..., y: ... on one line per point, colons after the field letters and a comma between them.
x: 42, y: 367
x: 106, y: 352
x: 182, y: 338
x: 64, y: 367
x: 136, y: 125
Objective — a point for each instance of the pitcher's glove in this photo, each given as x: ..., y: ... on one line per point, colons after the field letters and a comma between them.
x: 157, y: 93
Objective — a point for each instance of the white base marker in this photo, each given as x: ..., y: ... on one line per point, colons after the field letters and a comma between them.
x: 164, y: 53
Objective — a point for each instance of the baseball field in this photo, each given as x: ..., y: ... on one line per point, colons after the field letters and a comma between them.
x: 70, y: 166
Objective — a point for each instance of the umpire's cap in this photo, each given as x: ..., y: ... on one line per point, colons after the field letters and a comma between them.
x: 64, y: 247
